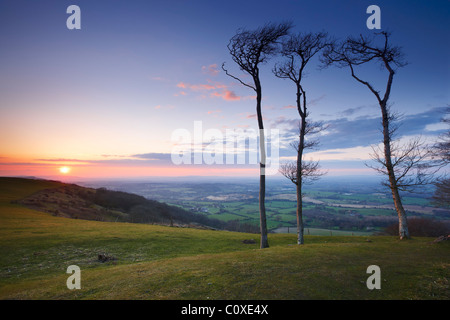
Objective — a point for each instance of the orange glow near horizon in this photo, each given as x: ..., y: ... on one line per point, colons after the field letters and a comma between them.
x: 47, y: 171
x: 175, y: 171
x: 84, y: 170
x: 50, y: 170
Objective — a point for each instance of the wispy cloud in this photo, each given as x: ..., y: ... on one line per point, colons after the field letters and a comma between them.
x: 351, y: 138
x: 361, y: 153
x: 220, y: 90
x: 211, y: 70
x: 201, y: 86
x: 227, y: 95
x: 315, y: 102
x: 143, y: 159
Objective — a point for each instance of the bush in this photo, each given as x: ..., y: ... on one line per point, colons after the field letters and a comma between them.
x: 421, y: 227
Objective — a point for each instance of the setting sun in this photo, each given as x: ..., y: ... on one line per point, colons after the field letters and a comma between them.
x: 64, y: 170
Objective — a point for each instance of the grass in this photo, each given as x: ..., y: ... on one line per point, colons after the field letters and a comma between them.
x: 324, y: 232
x: 155, y: 262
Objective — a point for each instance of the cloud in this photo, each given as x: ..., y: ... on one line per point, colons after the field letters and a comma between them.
x: 220, y: 90
x: 312, y: 102
x: 227, y: 95
x: 134, y: 160
x: 198, y: 87
x: 211, y: 70
x: 351, y: 138
x: 436, y: 126
x: 315, y: 102
x: 351, y: 111
x: 223, y: 92
x: 61, y: 160
x: 201, y: 87
x: 348, y: 154
x: 285, y: 124
x: 248, y: 115
x: 152, y: 156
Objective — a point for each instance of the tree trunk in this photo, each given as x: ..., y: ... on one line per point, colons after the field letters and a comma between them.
x: 300, y: 227
x: 301, y: 146
x: 262, y: 169
x: 262, y: 210
x: 402, y: 222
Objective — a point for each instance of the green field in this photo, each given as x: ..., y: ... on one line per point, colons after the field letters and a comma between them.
x: 351, y: 206
x: 156, y: 262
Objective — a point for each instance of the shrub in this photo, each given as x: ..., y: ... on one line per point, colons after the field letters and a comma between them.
x: 421, y: 227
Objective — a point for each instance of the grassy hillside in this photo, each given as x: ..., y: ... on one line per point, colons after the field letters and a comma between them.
x: 73, y: 201
x: 157, y: 262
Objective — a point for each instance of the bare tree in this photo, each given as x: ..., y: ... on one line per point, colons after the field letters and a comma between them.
x: 441, y: 154
x: 307, y: 172
x: 441, y: 149
x: 359, y: 51
x: 249, y: 50
x: 310, y: 172
x: 441, y: 196
x: 411, y: 162
x: 298, y: 50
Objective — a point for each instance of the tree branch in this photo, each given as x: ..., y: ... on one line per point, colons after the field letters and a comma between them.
x: 236, y: 78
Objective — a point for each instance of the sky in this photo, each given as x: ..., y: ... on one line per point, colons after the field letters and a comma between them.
x: 141, y: 81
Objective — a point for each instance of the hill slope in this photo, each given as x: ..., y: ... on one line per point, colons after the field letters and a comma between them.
x: 73, y: 201
x: 159, y: 262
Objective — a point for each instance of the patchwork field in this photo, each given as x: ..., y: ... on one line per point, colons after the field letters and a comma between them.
x: 355, y: 206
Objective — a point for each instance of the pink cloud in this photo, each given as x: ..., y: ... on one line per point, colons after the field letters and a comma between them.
x: 247, y: 115
x: 211, y: 69
x: 230, y: 95
x: 289, y: 107
x: 227, y: 95
x: 202, y: 87
x: 223, y: 92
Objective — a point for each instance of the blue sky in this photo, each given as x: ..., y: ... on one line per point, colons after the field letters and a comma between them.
x: 137, y: 71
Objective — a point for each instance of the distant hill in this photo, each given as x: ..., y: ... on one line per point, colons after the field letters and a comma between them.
x: 76, y: 202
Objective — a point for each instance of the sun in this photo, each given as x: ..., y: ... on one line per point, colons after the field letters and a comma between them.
x: 64, y: 170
